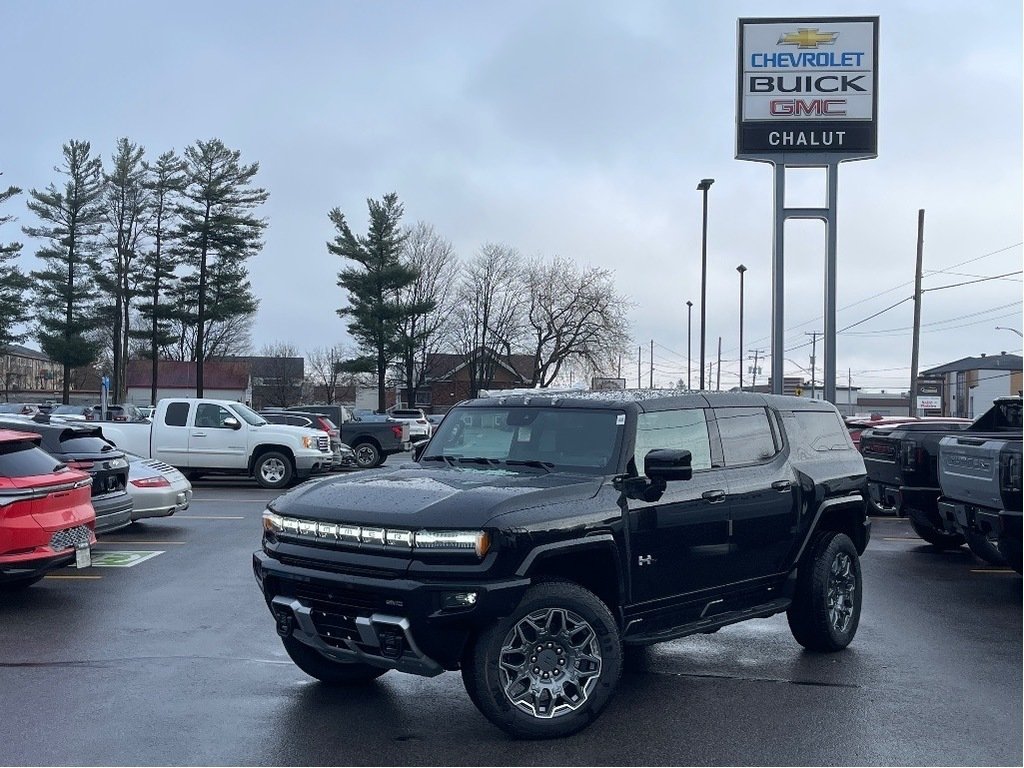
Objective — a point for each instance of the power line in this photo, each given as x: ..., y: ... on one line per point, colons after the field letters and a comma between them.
x: 971, y: 282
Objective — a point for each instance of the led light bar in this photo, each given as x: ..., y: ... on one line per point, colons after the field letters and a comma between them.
x: 389, y: 538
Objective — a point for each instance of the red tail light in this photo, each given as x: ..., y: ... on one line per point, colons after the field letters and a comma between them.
x: 323, y: 424
x: 85, y: 466
x: 397, y: 429
x: 151, y: 482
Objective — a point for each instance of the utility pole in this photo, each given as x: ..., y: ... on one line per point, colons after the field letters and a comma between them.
x: 718, y: 380
x: 689, y: 313
x: 849, y: 391
x: 755, y: 355
x: 639, y: 353
x: 814, y: 344
x: 619, y: 372
x: 917, y: 313
x: 652, y: 363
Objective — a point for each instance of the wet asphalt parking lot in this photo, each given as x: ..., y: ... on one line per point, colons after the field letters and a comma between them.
x: 174, y: 660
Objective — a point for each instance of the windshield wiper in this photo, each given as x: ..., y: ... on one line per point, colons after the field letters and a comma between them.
x: 547, y: 466
x: 441, y: 457
x: 478, y: 460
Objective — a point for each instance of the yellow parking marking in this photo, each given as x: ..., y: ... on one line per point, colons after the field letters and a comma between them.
x: 992, y: 570
x: 213, y: 517
x: 73, y: 577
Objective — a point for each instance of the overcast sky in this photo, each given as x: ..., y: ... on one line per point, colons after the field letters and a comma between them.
x: 577, y: 129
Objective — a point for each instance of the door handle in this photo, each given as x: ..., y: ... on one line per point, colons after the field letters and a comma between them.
x: 713, y: 496
x: 781, y: 485
x: 198, y: 434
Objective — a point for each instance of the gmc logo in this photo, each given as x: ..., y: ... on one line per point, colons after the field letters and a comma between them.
x: 817, y: 107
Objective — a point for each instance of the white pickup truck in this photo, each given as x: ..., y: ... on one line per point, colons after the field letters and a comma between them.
x: 201, y: 437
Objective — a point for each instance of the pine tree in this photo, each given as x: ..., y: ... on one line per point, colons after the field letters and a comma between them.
x: 126, y: 210
x: 164, y: 180
x: 14, y: 284
x: 71, y: 218
x: 217, y: 233
x: 374, y: 285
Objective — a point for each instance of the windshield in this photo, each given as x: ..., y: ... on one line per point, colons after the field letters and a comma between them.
x: 248, y: 414
x: 546, y: 439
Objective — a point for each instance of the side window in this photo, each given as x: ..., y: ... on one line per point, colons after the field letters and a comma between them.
x: 211, y: 416
x: 176, y: 415
x: 746, y: 435
x: 684, y: 430
x: 822, y: 431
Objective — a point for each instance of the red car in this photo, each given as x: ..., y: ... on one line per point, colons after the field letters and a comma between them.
x: 46, y: 515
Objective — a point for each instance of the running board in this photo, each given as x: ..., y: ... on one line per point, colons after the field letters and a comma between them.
x: 710, y: 623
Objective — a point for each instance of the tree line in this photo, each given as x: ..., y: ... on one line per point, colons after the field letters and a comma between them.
x: 138, y: 259
x: 410, y: 298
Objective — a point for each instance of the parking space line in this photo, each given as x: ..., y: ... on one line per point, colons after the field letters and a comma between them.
x: 86, y: 578
x: 213, y: 517
x: 112, y: 541
x: 993, y: 570
x: 233, y: 501
x: 901, y: 538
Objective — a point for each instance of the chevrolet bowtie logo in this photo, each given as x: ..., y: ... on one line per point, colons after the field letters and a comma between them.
x: 808, y: 38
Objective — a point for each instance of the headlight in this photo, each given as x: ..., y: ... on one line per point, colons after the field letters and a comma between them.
x: 308, y: 441
x: 478, y: 541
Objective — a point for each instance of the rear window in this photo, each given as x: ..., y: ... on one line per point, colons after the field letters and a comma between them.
x: 176, y: 415
x: 25, y: 460
x: 746, y: 435
x: 84, y: 444
x: 816, y: 432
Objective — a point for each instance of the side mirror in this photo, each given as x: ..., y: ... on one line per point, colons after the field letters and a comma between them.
x: 232, y: 423
x: 668, y: 464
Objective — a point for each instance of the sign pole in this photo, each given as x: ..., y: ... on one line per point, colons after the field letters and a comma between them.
x: 830, y: 283
x: 778, y: 282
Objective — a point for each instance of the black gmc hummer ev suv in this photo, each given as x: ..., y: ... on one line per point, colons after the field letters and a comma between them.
x: 539, y: 532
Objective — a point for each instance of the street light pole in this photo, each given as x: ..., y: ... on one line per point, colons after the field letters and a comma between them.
x: 741, y: 269
x: 704, y: 186
x: 998, y: 328
x: 689, y: 317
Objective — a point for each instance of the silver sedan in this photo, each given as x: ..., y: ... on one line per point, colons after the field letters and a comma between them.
x: 157, y: 489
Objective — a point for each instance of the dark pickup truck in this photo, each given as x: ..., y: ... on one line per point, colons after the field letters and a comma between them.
x: 539, y: 532
x: 903, y: 476
x: 372, y: 441
x: 980, y: 475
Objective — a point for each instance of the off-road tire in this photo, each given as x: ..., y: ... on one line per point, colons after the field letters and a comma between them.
x: 984, y: 549
x: 1010, y: 549
x: 368, y: 455
x: 581, y: 649
x: 825, y: 611
x: 931, y: 534
x: 273, y: 470
x: 327, y: 670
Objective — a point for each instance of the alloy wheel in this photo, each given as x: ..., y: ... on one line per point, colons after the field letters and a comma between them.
x: 842, y: 589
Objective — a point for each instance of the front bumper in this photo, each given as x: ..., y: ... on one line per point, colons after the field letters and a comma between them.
x: 307, y: 464
x: 387, y: 623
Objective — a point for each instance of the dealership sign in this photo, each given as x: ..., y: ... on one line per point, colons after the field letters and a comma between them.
x: 807, y: 86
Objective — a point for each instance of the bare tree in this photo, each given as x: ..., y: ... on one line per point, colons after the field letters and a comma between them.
x: 487, y: 315
x: 325, y: 368
x: 574, y: 316
x: 422, y: 334
x: 281, y: 375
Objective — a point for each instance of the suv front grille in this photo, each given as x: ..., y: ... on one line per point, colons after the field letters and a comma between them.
x: 334, y: 610
x: 69, y: 537
x: 324, y: 443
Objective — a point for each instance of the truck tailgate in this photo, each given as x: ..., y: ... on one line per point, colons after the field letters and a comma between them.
x: 969, y: 470
x: 881, y: 458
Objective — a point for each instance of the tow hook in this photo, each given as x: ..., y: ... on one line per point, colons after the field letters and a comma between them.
x: 284, y: 619
x: 392, y: 643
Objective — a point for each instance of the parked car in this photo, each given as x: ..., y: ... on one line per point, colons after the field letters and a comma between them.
x: 202, y: 436
x: 903, y: 474
x: 46, y: 517
x: 72, y: 412
x: 19, y: 409
x: 419, y: 427
x: 980, y: 475
x: 372, y: 441
x: 117, y: 412
x: 344, y: 456
x: 82, y: 446
x: 157, y: 489
x: 857, y: 424
x: 435, y: 420
x: 537, y: 534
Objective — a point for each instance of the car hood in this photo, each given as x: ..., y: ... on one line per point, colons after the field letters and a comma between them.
x: 411, y: 497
